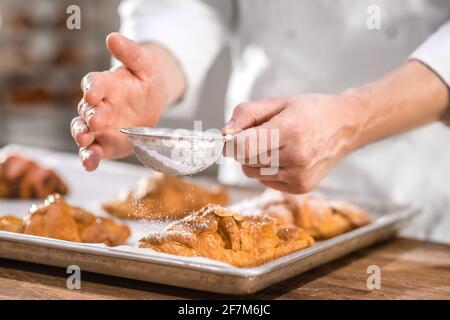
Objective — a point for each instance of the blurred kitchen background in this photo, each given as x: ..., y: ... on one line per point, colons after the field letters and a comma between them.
x: 42, y: 63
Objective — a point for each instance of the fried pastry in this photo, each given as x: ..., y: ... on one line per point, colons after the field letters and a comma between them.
x: 24, y: 179
x: 324, y: 219
x: 11, y: 224
x: 53, y: 219
x: 281, y: 211
x: 104, y: 230
x: 56, y: 219
x: 165, y: 197
x: 218, y: 233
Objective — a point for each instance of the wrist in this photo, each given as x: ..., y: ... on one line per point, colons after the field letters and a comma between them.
x: 354, y: 118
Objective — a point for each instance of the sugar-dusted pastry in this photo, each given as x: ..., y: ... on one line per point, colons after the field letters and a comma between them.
x: 11, y: 224
x: 56, y: 219
x: 221, y: 234
x: 24, y: 179
x: 323, y: 218
x: 281, y: 211
x: 165, y: 197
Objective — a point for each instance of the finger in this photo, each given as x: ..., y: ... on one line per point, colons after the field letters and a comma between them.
x: 264, y: 174
x: 91, y: 156
x: 94, y: 86
x: 269, y: 159
x: 79, y: 106
x: 251, y: 114
x: 129, y: 53
x: 81, y: 132
x: 277, y: 185
x: 260, y: 143
x: 87, y: 113
x: 97, y: 118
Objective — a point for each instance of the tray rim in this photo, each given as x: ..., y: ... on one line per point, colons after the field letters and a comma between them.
x: 400, y: 215
x: 243, y: 280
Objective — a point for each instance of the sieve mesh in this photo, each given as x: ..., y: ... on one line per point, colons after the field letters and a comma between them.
x: 173, y: 152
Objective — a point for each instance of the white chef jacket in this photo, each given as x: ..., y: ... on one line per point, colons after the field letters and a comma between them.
x: 290, y: 47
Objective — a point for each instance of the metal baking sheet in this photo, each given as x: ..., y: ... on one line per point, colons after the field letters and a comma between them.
x: 189, y: 272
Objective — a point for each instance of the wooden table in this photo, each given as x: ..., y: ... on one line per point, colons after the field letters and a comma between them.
x: 410, y: 269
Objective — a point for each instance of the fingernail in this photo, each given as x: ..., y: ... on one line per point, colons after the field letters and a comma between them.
x: 231, y: 123
x: 229, y: 127
x: 78, y: 128
x: 85, y: 155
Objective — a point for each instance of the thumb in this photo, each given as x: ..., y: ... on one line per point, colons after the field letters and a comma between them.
x: 252, y: 114
x: 129, y: 53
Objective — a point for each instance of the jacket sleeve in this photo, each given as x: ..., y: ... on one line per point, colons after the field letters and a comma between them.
x: 435, y: 53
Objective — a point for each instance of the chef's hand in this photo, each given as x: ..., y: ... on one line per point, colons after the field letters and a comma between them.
x: 134, y: 94
x: 315, y: 131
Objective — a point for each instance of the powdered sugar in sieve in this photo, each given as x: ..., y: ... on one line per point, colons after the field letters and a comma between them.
x: 176, y: 152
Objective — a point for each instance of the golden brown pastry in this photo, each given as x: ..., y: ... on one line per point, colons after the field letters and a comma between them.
x: 24, y: 179
x: 11, y: 224
x: 165, y: 197
x: 56, y: 219
x: 281, y: 211
x: 221, y: 234
x: 105, y: 230
x: 357, y: 216
x: 53, y: 219
x: 322, y: 218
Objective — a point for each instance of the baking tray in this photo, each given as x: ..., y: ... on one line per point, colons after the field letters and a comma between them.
x: 193, y: 272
